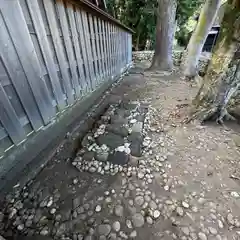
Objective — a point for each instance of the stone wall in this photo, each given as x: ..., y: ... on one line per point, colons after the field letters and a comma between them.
x: 177, y: 58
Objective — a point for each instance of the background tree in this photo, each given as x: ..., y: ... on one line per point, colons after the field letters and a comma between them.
x: 199, y: 36
x: 222, y: 79
x: 141, y: 16
x: 162, y: 58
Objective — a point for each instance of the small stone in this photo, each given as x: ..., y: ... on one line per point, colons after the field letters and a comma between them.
x: 186, y: 230
x: 230, y: 219
x: 50, y: 202
x: 20, y: 227
x: 220, y: 224
x: 102, y: 238
x: 44, y: 231
x: 119, y: 211
x: 75, y: 181
x: 149, y: 220
x: 152, y: 204
x: 195, y: 209
x: 132, y: 121
x: 235, y: 194
x: 156, y: 214
x: 180, y: 211
x: 120, y: 149
x: 169, y: 202
x: 112, y: 236
x: 129, y: 223
x: 28, y: 223
x: 139, y: 200
x: 104, y: 229
x: 116, y: 226
x: 185, y: 204
x: 138, y: 220
x: 98, y: 208
x: 140, y: 175
x: 53, y: 210
x: 166, y: 188
x: 133, y: 234
x: 202, y: 236
x: 212, y: 230
x: 201, y: 200
x: 79, y: 237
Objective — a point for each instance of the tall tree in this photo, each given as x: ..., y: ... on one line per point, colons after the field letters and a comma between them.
x: 222, y: 80
x: 199, y: 36
x: 166, y: 14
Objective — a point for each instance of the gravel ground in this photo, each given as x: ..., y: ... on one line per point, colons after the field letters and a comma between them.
x: 184, y: 186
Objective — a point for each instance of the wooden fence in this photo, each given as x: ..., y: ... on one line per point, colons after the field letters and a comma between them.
x: 52, y: 54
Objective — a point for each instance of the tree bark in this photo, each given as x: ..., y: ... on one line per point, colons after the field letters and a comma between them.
x: 222, y: 79
x: 199, y: 36
x: 166, y: 14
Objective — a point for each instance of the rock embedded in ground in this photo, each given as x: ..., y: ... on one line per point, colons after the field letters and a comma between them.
x: 185, y: 204
x: 89, y: 156
x: 156, y: 214
x: 230, y: 219
x: 116, y: 226
x: 104, y: 229
x: 133, y: 234
x: 180, y: 211
x: 212, y: 230
x: 149, y: 220
x: 138, y: 220
x: 137, y: 127
x: 98, y: 208
x: 118, y: 129
x: 202, y: 236
x: 102, y: 156
x: 111, y: 140
x: 139, y: 200
x: 118, y: 158
x: 118, y: 210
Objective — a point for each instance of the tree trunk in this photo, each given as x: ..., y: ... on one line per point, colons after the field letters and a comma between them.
x: 137, y: 42
x: 222, y: 79
x: 162, y: 58
x: 199, y: 36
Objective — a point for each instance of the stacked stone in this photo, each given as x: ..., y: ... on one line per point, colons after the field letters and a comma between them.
x: 118, y: 137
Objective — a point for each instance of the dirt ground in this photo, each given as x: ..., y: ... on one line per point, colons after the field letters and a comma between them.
x: 195, y: 188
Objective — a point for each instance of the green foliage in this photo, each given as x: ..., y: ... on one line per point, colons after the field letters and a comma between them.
x: 140, y: 15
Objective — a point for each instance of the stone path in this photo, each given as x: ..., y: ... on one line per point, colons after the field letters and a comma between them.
x: 139, y: 174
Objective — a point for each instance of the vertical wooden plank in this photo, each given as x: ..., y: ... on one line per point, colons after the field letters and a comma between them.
x: 76, y: 46
x: 18, y: 77
x: 109, y: 48
x: 114, y: 49
x: 106, y: 47
x: 124, y: 50
x: 99, y: 56
x: 89, y: 48
x: 101, y: 35
x: 53, y: 25
x: 121, y: 48
x: 46, y: 51
x: 129, y: 48
x: 15, y: 22
x: 9, y: 119
x: 94, y: 49
x: 83, y: 47
x: 118, y: 52
x: 122, y: 41
x: 68, y: 45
